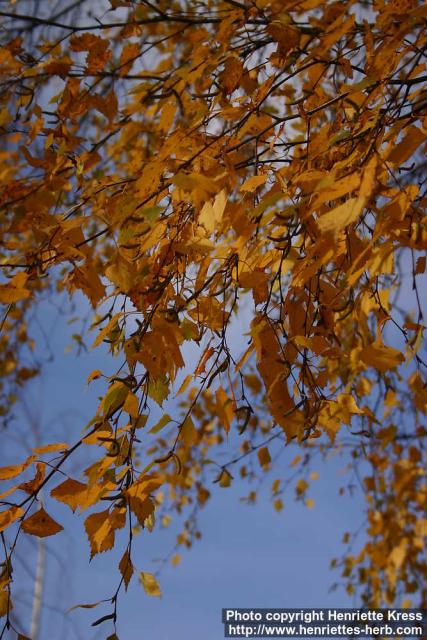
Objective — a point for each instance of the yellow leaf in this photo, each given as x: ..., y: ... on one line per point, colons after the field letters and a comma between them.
x: 192, y: 181
x: 40, y: 524
x: 381, y: 357
x: 336, y: 188
x: 421, y: 527
x: 6, y: 473
x: 278, y: 505
x: 131, y: 405
x: 94, y: 375
x: 368, y: 178
x: 225, y: 408
x: 347, y: 407
x: 251, y: 184
x: 225, y: 479
x: 11, y: 472
x: 144, y: 487
x: 175, y: 560
x: 309, y: 503
x: 121, y: 272
x: 402, y: 152
x: 336, y: 33
x: 275, y: 488
x: 48, y: 448
x: 139, y: 496
x: 301, y: 487
x: 211, y: 213
x: 188, y: 432
x: 296, y: 460
x: 9, y: 516
x: 245, y: 357
x: 150, y: 584
x: 168, y: 114
x: 114, y: 398
x: 164, y: 420
x: 106, y: 330
x: 337, y: 219
x: 398, y: 555
x: 184, y: 385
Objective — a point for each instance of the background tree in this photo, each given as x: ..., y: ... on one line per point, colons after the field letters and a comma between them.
x: 199, y: 171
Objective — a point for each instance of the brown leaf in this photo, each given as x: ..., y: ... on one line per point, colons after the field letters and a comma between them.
x: 232, y: 74
x: 34, y: 484
x: 40, y: 524
x: 126, y: 568
x: 286, y: 36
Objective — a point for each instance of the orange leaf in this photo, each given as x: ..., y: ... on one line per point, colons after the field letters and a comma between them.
x: 70, y: 492
x: 8, y: 294
x: 99, y: 532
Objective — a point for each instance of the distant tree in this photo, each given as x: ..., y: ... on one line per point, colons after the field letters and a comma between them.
x: 200, y: 170
x: 36, y: 564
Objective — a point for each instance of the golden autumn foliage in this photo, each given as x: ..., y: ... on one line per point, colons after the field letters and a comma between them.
x: 201, y: 171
